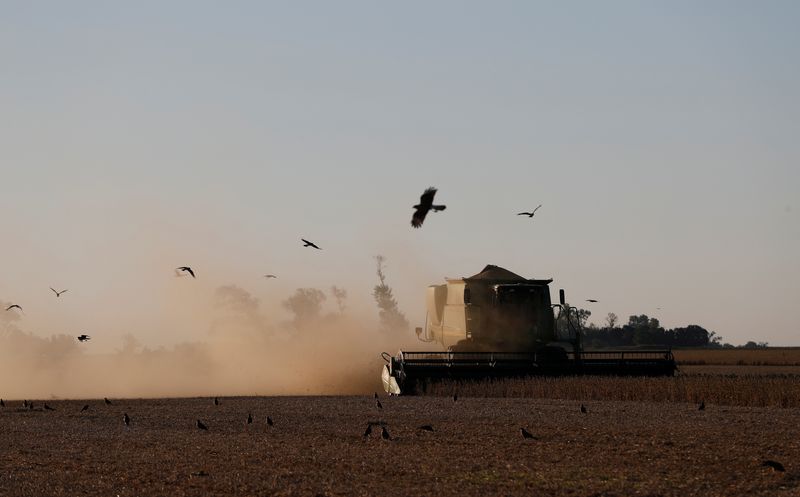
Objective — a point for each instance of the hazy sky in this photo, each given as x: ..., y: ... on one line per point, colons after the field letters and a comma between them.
x: 662, y: 138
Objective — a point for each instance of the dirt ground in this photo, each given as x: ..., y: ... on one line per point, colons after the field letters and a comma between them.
x: 316, y: 447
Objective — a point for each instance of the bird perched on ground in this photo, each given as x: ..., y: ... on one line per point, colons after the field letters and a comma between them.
x: 530, y: 214
x: 269, y: 421
x: 58, y: 294
x: 85, y: 407
x: 583, y: 409
x: 368, y: 431
x: 24, y: 403
x: 108, y: 402
x: 775, y: 465
x: 14, y: 306
x: 48, y: 408
x: 249, y: 418
x: 593, y: 301
x: 425, y: 204
x: 378, y: 404
x: 455, y: 397
x: 126, y: 419
x: 702, y: 406
x: 526, y: 433
x: 375, y: 395
x: 83, y: 338
x: 306, y: 243
x: 201, y: 425
x: 30, y: 406
x: 186, y: 269
x: 2, y: 404
x: 216, y: 401
x: 426, y: 428
x: 385, y: 433
x: 269, y: 276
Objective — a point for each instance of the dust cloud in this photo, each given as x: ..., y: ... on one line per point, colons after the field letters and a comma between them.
x: 244, y: 350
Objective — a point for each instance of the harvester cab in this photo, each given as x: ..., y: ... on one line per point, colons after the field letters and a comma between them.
x: 499, y: 324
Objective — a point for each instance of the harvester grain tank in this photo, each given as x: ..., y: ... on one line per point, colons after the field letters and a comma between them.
x: 500, y: 324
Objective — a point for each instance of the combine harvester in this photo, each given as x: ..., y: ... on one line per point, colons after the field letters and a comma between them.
x: 498, y: 324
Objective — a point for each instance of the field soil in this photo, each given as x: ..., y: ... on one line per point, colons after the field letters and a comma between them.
x: 316, y: 447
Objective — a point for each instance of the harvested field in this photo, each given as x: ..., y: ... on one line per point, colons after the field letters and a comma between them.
x: 316, y: 448
x: 772, y: 356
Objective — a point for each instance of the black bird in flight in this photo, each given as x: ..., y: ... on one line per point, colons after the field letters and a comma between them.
x: 368, y: 431
x: 14, y: 306
x: 530, y: 214
x: 126, y: 419
x: 48, y: 408
x: 385, y: 433
x: 58, y: 294
x: 378, y: 404
x: 201, y: 426
x: 85, y: 407
x: 249, y: 418
x: 775, y: 465
x: 268, y: 276
x: 702, y: 406
x: 426, y: 428
x: 306, y: 243
x: 83, y: 338
x: 591, y: 300
x: 269, y: 421
x: 583, y: 409
x: 108, y: 402
x: 425, y: 204
x: 216, y: 401
x: 186, y: 269
x: 526, y: 433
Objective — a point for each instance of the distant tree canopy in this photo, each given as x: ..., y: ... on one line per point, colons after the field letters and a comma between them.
x: 305, y: 304
x: 391, y: 318
x: 644, y: 330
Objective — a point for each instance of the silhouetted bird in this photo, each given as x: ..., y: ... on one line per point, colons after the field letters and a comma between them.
x: 368, y: 431
x: 378, y: 404
x: 201, y: 426
x: 249, y: 419
x: 24, y: 403
x: 702, y: 406
x: 216, y: 401
x: 186, y: 269
x: 2, y: 404
x: 58, y: 294
x: 526, y: 433
x: 306, y: 243
x: 375, y: 395
x: 269, y: 421
x: 425, y: 204
x: 426, y: 428
x: 270, y: 276
x: 385, y: 433
x: 583, y: 409
x: 13, y: 306
x: 85, y: 408
x: 455, y: 397
x: 126, y: 419
x: 591, y: 300
x: 775, y: 465
x: 48, y: 408
x: 530, y: 214
x: 108, y: 402
x: 83, y: 338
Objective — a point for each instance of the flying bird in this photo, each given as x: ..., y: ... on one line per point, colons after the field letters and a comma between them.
x: 269, y: 276
x: 385, y: 433
x: 83, y: 338
x: 526, y: 433
x: 186, y: 269
x: 126, y: 419
x: 269, y: 421
x: 201, y: 426
x: 530, y: 214
x: 14, y: 306
x: 425, y: 204
x: 85, y: 407
x: 58, y: 294
x: 775, y: 465
x: 368, y: 431
x: 306, y: 243
x: 249, y: 418
x: 108, y: 402
x: 591, y: 300
x: 583, y: 409
x: 426, y: 428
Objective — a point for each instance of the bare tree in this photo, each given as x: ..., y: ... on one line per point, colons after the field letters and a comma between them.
x: 392, y: 319
x: 340, y: 294
x: 611, y: 320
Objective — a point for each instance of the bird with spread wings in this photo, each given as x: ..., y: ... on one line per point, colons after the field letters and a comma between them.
x: 425, y: 204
